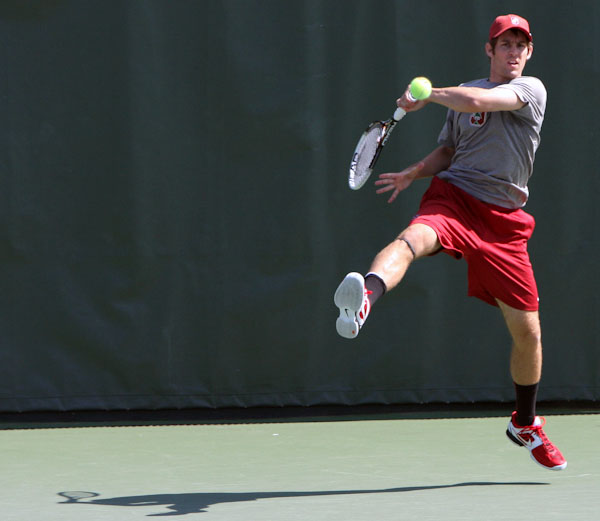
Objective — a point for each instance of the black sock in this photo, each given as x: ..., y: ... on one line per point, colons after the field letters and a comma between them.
x: 526, y: 400
x: 374, y: 283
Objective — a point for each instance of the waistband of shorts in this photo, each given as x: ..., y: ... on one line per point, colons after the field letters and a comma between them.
x: 467, y: 195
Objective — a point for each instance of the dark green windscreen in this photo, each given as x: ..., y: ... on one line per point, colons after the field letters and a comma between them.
x: 174, y: 213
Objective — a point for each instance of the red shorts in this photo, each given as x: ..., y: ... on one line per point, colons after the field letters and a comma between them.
x: 492, y: 239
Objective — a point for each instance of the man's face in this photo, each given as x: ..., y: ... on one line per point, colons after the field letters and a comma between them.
x: 509, y: 57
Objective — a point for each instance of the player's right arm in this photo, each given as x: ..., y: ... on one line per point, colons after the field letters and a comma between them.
x: 476, y: 99
x: 433, y: 164
x: 466, y: 99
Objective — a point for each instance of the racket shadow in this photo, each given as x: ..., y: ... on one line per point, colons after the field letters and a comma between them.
x: 193, y: 503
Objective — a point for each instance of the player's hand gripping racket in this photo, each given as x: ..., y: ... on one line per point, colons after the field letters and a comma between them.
x: 369, y: 148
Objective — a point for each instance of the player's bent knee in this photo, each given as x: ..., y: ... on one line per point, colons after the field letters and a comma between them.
x: 421, y: 240
x: 409, y: 245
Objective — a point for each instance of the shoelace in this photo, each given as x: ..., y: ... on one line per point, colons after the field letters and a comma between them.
x: 362, y: 313
x: 538, y: 431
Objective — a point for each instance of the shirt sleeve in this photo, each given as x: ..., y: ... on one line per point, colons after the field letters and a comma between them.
x: 531, y: 91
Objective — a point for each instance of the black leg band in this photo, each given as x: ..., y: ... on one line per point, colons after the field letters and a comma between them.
x: 410, y: 246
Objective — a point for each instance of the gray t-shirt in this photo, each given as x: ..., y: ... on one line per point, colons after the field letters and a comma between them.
x: 494, y: 151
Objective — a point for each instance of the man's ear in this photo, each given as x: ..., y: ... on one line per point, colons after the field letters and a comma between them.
x: 529, y: 50
x: 488, y: 50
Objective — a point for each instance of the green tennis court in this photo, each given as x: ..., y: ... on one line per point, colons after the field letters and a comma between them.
x: 382, y: 467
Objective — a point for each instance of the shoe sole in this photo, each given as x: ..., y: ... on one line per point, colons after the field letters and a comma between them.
x: 516, y: 441
x: 348, y: 298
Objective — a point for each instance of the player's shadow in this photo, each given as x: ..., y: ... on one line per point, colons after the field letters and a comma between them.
x: 192, y: 503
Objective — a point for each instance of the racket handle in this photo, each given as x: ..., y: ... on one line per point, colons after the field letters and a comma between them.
x: 399, y: 114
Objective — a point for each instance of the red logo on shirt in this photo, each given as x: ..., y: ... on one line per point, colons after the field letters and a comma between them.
x: 478, y: 119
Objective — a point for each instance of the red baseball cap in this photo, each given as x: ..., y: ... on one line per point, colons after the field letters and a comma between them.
x: 509, y: 21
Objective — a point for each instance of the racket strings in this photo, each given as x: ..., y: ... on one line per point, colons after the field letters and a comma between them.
x: 365, y: 154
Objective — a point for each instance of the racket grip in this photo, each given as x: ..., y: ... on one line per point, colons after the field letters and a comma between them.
x: 399, y: 114
x: 410, y: 97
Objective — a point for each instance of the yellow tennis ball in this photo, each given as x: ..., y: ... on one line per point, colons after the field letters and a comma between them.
x: 420, y: 88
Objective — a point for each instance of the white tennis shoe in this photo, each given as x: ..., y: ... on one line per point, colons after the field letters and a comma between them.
x: 351, y: 297
x: 534, y: 439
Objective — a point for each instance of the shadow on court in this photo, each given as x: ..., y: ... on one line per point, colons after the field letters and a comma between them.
x: 181, y: 504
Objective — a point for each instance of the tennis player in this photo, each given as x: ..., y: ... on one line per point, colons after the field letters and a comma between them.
x: 473, y: 209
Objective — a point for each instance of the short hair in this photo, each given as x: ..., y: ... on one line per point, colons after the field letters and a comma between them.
x: 494, y: 41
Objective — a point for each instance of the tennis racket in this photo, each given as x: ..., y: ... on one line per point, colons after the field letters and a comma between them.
x: 369, y: 148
